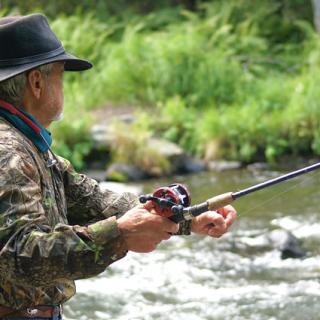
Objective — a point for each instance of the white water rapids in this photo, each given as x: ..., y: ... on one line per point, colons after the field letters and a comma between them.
x: 235, y: 277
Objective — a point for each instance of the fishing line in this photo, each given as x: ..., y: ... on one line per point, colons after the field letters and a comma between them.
x: 312, y: 176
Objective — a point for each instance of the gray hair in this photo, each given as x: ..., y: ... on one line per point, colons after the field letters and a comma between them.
x: 12, y: 90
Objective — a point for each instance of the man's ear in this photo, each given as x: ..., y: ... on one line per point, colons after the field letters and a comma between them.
x: 35, y: 82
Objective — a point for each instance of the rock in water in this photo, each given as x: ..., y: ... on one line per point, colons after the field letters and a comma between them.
x: 286, y: 243
x: 282, y: 240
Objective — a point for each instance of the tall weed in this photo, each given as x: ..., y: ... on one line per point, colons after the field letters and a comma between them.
x: 242, y: 76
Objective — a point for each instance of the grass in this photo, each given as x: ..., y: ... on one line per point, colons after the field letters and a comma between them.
x: 237, y: 80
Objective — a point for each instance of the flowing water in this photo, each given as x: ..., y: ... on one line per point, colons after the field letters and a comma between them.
x: 235, y: 277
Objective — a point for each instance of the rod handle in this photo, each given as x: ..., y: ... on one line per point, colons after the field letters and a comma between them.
x: 220, y: 201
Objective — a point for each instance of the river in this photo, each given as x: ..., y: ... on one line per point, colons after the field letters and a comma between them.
x: 231, y: 278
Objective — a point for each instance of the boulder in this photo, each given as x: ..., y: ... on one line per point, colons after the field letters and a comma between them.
x: 123, y: 172
x: 166, y: 157
x: 222, y: 165
x: 282, y: 240
x: 286, y: 243
x: 191, y: 165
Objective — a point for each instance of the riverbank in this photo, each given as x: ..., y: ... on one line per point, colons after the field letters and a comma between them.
x: 199, y: 81
x: 120, y: 152
x: 229, y: 80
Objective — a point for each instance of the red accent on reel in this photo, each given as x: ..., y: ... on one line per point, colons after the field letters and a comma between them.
x: 176, y: 193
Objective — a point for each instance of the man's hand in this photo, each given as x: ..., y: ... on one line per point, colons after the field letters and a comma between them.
x: 143, y: 230
x: 214, y: 224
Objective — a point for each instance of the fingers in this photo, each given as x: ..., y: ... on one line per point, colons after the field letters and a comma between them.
x: 148, y: 242
x: 170, y: 226
x: 229, y: 213
x: 232, y: 215
x: 164, y: 223
x: 218, y: 225
x: 142, y: 230
x: 213, y: 218
x: 167, y: 236
x: 148, y: 205
x: 214, y: 224
x: 163, y: 236
x: 217, y: 232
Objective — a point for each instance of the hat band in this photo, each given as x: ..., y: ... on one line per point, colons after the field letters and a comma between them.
x: 30, y: 59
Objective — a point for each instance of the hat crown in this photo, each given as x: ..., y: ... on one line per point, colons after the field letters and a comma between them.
x: 27, y: 42
x: 26, y: 36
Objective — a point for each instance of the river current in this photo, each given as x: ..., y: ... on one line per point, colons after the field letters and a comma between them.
x: 236, y: 277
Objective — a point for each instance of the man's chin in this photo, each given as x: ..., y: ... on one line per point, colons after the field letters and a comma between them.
x: 59, y: 117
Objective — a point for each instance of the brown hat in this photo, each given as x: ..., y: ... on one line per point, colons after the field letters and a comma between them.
x: 28, y: 42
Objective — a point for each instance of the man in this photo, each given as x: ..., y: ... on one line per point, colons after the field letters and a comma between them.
x: 56, y: 225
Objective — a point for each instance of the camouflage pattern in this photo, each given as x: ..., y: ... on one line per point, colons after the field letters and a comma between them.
x: 56, y: 225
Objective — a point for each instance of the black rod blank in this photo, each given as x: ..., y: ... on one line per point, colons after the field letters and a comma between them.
x: 268, y: 183
x: 181, y: 213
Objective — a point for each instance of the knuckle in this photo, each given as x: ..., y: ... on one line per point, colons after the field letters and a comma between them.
x: 215, y: 234
x: 220, y: 222
x: 167, y: 236
x: 222, y: 229
x: 175, y: 228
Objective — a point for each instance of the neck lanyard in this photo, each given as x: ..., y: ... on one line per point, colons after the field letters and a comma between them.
x: 24, y: 125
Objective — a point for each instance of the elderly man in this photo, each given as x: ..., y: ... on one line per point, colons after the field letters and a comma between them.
x: 56, y: 225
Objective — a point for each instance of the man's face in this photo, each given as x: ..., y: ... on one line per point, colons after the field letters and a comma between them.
x: 53, y: 96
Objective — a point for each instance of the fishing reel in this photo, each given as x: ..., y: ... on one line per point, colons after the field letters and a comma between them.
x: 167, y: 199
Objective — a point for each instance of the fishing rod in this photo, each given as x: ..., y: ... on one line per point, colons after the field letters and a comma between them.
x: 174, y: 200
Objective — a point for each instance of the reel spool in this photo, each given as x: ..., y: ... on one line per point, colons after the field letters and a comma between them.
x: 164, y: 198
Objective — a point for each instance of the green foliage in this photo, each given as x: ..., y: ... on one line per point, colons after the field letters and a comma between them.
x: 102, y: 8
x: 130, y: 144
x: 236, y: 79
x: 72, y: 138
x: 194, y: 59
x: 176, y: 122
x: 87, y: 38
x: 241, y: 76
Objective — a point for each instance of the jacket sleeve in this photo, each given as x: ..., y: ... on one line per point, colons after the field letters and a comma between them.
x: 87, y: 202
x: 32, y: 251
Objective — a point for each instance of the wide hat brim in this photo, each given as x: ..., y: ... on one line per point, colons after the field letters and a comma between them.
x: 72, y: 63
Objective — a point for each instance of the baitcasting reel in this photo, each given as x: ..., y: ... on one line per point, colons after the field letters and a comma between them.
x: 166, y: 199
x: 173, y: 202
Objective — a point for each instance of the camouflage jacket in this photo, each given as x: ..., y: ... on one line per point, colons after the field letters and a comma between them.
x: 56, y: 225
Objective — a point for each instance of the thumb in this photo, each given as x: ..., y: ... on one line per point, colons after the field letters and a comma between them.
x: 148, y: 205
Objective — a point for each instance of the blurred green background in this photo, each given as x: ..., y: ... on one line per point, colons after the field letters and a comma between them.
x: 237, y: 79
